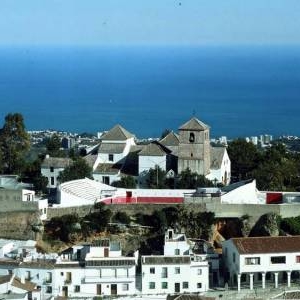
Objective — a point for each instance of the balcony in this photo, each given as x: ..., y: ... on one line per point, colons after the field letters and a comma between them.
x: 97, y: 279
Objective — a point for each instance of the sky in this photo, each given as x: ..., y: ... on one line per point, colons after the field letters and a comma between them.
x: 149, y: 22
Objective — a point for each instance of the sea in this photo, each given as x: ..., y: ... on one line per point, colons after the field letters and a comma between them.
x: 237, y: 90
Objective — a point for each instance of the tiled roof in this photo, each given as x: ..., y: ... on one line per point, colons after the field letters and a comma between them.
x: 194, y: 124
x: 39, y: 264
x: 91, y: 159
x: 107, y: 169
x: 171, y: 139
x: 56, y: 162
x: 117, y: 133
x: 153, y: 149
x: 165, y: 260
x: 110, y: 262
x: 216, y: 157
x: 260, y: 245
x: 101, y: 243
x: 111, y: 148
x: 27, y: 285
x: 189, y: 297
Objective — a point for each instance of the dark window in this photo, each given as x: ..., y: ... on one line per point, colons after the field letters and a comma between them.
x: 152, y: 270
x: 110, y: 157
x: 278, y: 260
x: 185, y: 285
x: 77, y: 288
x: 51, y: 169
x: 252, y: 261
x: 52, y: 180
x: 199, y: 285
x: 151, y: 285
x: 49, y: 289
x: 192, y: 137
x: 164, y: 285
x: 298, y: 259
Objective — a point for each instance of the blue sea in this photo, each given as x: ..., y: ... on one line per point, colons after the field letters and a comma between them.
x: 238, y: 91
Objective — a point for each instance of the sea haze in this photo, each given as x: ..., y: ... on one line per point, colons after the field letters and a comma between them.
x: 238, y: 91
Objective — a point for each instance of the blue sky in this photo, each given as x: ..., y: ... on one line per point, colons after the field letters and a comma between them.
x: 149, y: 22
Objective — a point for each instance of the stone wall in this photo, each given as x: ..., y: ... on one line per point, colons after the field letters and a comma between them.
x: 11, y: 200
x: 18, y: 225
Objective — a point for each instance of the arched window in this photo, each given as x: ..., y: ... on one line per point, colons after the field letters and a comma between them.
x: 192, y: 137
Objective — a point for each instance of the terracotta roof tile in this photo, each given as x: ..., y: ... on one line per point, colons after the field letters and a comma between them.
x: 260, y: 245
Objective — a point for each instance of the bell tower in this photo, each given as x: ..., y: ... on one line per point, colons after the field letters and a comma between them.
x: 194, y: 147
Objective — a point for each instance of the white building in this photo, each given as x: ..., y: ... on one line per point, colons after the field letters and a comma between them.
x: 220, y: 166
x: 114, y: 147
x: 261, y: 261
x: 179, y: 270
x: 51, y: 168
x: 81, y: 271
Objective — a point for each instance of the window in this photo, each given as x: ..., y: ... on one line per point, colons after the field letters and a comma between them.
x: 152, y: 270
x: 278, y: 260
x: 252, y: 260
x: 199, y: 272
x: 199, y: 285
x: 110, y: 157
x: 52, y: 180
x: 298, y: 259
x: 185, y: 285
x: 51, y: 169
x: 192, y: 137
x: 233, y: 257
x: 77, y: 288
x: 61, y: 273
x: 151, y: 285
x: 27, y: 275
x: 125, y: 287
x: 48, y: 277
x: 164, y: 285
x: 49, y: 289
x: 164, y: 273
x: 177, y: 251
x: 177, y: 270
x: 105, y: 179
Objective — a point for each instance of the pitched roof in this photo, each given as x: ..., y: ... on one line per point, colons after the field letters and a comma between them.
x: 91, y: 159
x: 27, y: 285
x: 153, y: 149
x: 260, y: 245
x: 117, y: 133
x: 171, y: 139
x: 111, y: 148
x: 216, y: 157
x: 5, y: 278
x: 194, y: 124
x: 165, y: 260
x: 107, y: 169
x: 56, y: 162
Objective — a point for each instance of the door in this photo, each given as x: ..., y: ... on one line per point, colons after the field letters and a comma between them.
x: 177, y: 287
x: 98, y: 289
x: 113, y: 289
x: 106, y: 252
x: 65, y: 291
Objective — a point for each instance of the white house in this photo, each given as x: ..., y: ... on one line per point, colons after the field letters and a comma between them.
x: 179, y: 270
x: 51, y: 167
x: 220, y: 166
x: 258, y: 261
x: 114, y: 147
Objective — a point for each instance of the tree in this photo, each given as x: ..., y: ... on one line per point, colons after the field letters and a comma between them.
x: 14, y: 143
x: 244, y: 158
x: 77, y: 170
x: 32, y: 174
x: 156, y: 178
x: 125, y: 182
x: 53, y: 145
x: 189, y: 180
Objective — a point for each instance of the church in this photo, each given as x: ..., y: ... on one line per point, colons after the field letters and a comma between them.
x: 119, y: 154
